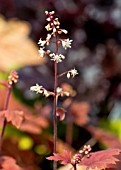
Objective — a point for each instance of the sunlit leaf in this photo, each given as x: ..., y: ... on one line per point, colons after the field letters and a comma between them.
x: 64, y: 158
x: 16, y: 48
x: 101, y: 159
x: 106, y: 138
x: 80, y: 111
x: 15, y: 117
x: 32, y: 123
x: 7, y: 163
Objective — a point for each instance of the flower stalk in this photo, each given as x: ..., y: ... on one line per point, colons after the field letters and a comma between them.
x: 12, y: 79
x: 55, y: 106
x: 53, y: 27
x: 5, y: 120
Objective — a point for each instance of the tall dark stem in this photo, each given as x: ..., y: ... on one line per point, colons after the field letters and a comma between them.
x: 5, y: 121
x: 74, y: 166
x: 55, y: 106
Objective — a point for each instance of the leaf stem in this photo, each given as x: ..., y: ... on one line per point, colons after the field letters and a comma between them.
x: 5, y: 120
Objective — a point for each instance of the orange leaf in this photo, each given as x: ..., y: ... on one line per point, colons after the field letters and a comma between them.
x: 65, y: 158
x: 7, y: 163
x: 32, y: 123
x: 106, y: 138
x: 101, y: 159
x: 80, y: 111
x: 15, y: 117
x: 14, y: 34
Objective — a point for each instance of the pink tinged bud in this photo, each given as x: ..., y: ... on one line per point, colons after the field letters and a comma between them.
x: 64, y: 31
x: 13, y: 77
x: 46, y: 12
x: 77, y: 158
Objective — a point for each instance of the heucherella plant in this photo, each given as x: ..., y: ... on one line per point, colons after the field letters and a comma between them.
x: 53, y: 27
x: 101, y: 159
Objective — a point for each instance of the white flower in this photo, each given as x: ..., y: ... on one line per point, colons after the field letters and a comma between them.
x: 41, y: 52
x: 48, y: 28
x: 42, y: 42
x: 56, y: 58
x: 66, y: 43
x: 59, y: 90
x: 74, y: 72
x: 37, y: 88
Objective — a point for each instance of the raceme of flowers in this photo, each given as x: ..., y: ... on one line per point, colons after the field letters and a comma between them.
x: 82, y: 153
x: 53, y: 27
x: 13, y: 77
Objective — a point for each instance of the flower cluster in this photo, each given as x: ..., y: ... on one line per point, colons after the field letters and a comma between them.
x: 54, y: 24
x: 53, y: 27
x: 77, y: 158
x: 86, y: 150
x: 41, y: 90
x: 13, y: 77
